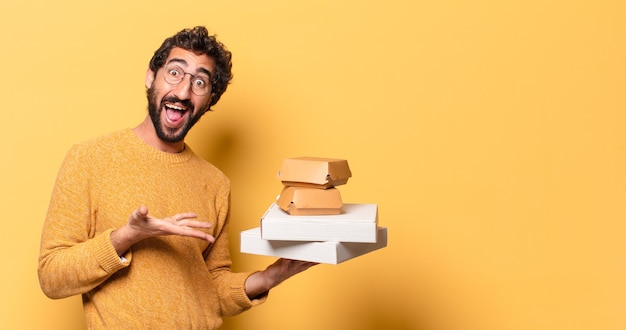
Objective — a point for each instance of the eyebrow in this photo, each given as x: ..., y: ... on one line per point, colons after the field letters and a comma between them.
x: 198, y: 70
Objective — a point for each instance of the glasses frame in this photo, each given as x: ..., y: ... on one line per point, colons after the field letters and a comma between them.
x: 175, y: 81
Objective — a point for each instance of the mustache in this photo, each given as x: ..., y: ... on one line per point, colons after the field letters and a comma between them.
x: 173, y: 99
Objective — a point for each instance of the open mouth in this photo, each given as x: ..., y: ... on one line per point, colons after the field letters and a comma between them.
x: 174, y: 113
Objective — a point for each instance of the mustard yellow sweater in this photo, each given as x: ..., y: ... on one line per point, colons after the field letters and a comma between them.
x: 166, y: 282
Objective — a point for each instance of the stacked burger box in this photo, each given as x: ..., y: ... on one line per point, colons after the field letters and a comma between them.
x: 309, y: 185
x: 309, y: 221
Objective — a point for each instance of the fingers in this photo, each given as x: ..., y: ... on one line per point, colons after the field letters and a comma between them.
x: 190, y: 232
x: 143, y: 210
x: 284, y: 268
x: 193, y: 224
x: 183, y: 216
x: 188, y: 228
x: 184, y: 225
x: 186, y: 220
x: 140, y: 213
x: 298, y: 265
x: 138, y: 218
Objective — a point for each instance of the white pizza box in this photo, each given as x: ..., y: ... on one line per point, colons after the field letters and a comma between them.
x: 355, y: 223
x: 320, y: 252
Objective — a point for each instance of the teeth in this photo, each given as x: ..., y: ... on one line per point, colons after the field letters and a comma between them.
x: 174, y: 107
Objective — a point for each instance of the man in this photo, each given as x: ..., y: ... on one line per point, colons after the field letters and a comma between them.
x: 138, y: 223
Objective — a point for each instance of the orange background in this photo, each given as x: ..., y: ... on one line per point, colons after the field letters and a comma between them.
x: 490, y: 134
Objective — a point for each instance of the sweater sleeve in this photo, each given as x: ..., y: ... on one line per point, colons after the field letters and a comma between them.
x: 73, y: 259
x: 230, y: 285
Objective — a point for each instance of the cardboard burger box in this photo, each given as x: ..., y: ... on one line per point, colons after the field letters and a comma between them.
x: 314, y: 172
x: 310, y: 201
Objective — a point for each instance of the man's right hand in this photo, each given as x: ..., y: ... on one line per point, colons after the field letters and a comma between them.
x: 141, y: 225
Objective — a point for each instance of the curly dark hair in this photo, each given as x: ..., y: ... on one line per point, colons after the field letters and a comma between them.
x: 199, y: 41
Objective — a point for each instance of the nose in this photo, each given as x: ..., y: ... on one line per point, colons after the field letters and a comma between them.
x: 183, y: 89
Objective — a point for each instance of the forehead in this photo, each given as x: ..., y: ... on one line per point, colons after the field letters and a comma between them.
x: 191, y: 61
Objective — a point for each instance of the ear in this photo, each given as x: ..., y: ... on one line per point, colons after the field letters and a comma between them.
x: 149, y: 78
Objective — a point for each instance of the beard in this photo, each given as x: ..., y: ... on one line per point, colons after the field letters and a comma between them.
x: 167, y: 134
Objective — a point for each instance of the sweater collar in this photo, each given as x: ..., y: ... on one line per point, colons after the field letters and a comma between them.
x: 148, y: 151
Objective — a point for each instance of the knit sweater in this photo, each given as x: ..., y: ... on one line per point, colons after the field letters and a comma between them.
x: 167, y: 282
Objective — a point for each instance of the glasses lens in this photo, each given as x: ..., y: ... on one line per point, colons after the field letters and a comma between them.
x: 200, y: 85
x: 174, y: 74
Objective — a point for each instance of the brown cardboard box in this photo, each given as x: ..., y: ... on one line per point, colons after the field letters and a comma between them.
x: 310, y: 201
x: 314, y: 172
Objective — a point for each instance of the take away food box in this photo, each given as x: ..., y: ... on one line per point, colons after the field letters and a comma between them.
x: 356, y: 223
x: 310, y: 201
x: 321, y: 252
x: 314, y: 172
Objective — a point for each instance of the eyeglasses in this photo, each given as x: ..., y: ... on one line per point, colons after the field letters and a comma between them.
x: 174, y: 74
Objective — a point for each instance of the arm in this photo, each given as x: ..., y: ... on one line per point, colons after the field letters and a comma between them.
x: 260, y: 283
x: 69, y: 268
x: 238, y: 289
x: 75, y: 257
x: 141, y: 225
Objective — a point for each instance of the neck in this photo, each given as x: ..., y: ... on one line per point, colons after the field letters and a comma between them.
x: 145, y: 131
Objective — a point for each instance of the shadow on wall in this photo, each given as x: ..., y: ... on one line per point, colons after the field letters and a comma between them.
x: 383, y: 316
x: 382, y: 309
x: 221, y: 147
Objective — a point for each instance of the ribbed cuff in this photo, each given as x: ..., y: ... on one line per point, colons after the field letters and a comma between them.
x: 106, y: 255
x: 238, y: 292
